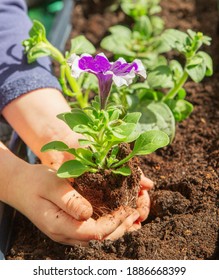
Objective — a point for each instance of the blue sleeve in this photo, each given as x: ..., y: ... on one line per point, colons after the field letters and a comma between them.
x: 17, y: 77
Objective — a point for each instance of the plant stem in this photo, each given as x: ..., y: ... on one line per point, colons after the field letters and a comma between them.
x: 57, y: 55
x: 75, y: 87
x: 62, y: 81
x: 124, y: 160
x: 104, y: 154
x: 171, y: 94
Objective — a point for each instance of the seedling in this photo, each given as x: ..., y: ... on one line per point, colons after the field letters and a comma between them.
x: 101, y: 124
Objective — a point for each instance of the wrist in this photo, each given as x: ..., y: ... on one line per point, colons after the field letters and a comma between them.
x: 33, y: 117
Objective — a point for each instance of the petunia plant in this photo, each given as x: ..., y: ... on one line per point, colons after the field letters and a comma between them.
x: 104, y: 125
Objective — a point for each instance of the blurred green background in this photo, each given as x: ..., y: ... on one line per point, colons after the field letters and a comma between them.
x: 44, y: 11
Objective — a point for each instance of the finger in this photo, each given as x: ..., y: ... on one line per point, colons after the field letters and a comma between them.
x: 47, y: 219
x: 59, y: 226
x: 123, y: 228
x: 146, y: 183
x: 143, y: 205
x: 109, y: 223
x: 135, y: 226
x: 69, y: 200
x: 64, y: 227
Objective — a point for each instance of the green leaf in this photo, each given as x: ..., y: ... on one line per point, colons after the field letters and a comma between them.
x: 123, y: 131
x: 176, y: 69
x: 143, y: 26
x: 36, y: 45
x: 124, y: 171
x: 85, y: 142
x: 195, y: 60
x: 111, y: 157
x: 175, y: 39
x: 160, y: 77
x: 150, y: 141
x: 156, y: 116
x: 121, y: 30
x: 37, y: 51
x: 89, y: 82
x: 38, y: 29
x: 157, y: 24
x: 54, y: 145
x: 208, y: 62
x: 72, y: 169
x: 114, y: 151
x: 81, y: 44
x: 136, y: 9
x: 155, y: 10
x: 134, y: 135
x: 75, y: 117
x: 84, y: 129
x: 200, y: 65
x: 120, y: 34
x: 181, y: 94
x: 191, y: 33
x: 110, y: 43
x: 196, y: 72
x: 115, y: 114
x: 58, y: 146
x: 132, y: 117
x: 86, y: 155
x: 181, y: 109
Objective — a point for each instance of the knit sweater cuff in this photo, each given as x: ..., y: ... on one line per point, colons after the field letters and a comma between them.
x: 15, y: 88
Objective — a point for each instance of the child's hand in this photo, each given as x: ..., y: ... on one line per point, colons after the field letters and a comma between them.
x: 59, y: 211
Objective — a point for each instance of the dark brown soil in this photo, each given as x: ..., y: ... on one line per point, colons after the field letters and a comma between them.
x: 184, y: 219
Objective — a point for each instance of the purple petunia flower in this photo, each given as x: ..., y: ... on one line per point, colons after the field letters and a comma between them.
x: 120, y: 72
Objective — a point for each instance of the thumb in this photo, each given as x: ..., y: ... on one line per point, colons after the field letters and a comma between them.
x: 69, y: 200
